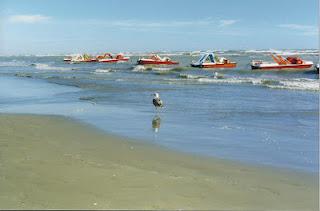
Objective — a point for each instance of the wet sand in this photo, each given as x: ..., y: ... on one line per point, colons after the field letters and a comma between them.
x: 51, y: 162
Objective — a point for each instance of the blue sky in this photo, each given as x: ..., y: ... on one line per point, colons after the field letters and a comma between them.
x: 60, y: 26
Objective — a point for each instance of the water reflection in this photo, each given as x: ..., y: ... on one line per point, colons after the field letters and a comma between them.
x: 156, y: 122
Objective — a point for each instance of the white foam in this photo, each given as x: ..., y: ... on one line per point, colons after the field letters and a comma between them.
x: 225, y: 80
x: 13, y: 64
x: 298, y: 84
x: 139, y: 68
x: 293, y: 84
x: 104, y: 71
x: 171, y: 54
x: 42, y: 66
x: 285, y: 52
x: 189, y: 76
x: 162, y: 68
x: 231, y: 54
x: 263, y: 51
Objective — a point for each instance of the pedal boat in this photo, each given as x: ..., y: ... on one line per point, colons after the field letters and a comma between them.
x: 156, y: 60
x: 67, y: 59
x: 82, y: 58
x: 210, y: 60
x: 122, y: 58
x: 108, y: 58
x: 281, y: 63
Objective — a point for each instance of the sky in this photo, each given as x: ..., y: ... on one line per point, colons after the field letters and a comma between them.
x: 60, y: 26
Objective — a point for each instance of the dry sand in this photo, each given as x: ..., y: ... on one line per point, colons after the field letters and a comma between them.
x: 54, y: 162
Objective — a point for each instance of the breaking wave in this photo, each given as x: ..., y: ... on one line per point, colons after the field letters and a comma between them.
x: 158, y: 69
x: 299, y: 84
x: 139, y: 68
x: 13, y: 64
x: 189, y: 76
x: 292, y: 84
x: 41, y: 66
x: 285, y: 52
x: 104, y: 70
x: 162, y: 68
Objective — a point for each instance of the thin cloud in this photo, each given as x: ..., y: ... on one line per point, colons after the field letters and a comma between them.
x: 154, y: 24
x: 227, y: 22
x: 139, y: 24
x: 28, y: 18
x: 308, y: 30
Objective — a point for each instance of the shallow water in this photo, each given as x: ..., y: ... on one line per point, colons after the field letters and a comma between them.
x: 252, y: 116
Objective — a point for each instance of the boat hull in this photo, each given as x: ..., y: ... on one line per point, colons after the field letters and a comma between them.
x: 123, y: 59
x: 282, y: 67
x: 89, y: 60
x: 109, y: 60
x: 215, y: 65
x: 154, y: 62
x: 82, y: 61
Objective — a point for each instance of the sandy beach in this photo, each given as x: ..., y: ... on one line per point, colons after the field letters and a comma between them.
x: 51, y: 162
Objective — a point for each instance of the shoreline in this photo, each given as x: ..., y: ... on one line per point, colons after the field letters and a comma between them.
x: 55, y: 162
x: 154, y: 145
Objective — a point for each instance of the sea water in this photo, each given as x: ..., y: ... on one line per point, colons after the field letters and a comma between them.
x: 259, y: 117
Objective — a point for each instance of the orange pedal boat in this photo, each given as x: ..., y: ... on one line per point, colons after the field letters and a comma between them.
x: 209, y: 60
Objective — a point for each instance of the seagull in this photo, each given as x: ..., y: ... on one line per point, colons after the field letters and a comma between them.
x: 157, y: 102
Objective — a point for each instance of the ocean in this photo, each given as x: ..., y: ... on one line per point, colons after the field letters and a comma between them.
x: 257, y: 117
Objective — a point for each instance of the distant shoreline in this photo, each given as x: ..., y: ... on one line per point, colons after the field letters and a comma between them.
x: 312, y: 51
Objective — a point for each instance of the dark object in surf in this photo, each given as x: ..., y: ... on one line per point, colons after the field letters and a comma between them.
x: 157, y: 102
x: 23, y: 75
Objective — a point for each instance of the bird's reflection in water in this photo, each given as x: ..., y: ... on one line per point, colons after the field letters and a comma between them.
x: 156, y: 122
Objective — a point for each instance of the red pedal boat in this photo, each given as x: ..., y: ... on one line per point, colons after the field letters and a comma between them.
x: 107, y: 57
x: 156, y: 60
x: 293, y: 63
x: 122, y: 58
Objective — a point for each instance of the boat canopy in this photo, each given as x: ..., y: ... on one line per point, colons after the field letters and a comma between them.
x: 155, y: 57
x: 208, y: 57
x: 289, y: 60
x: 78, y: 57
x: 86, y: 56
x: 104, y: 56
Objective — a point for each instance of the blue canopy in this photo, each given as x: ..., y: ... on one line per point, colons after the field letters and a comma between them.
x: 204, y: 57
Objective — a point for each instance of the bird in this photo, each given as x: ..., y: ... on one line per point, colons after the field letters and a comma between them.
x: 157, y: 102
